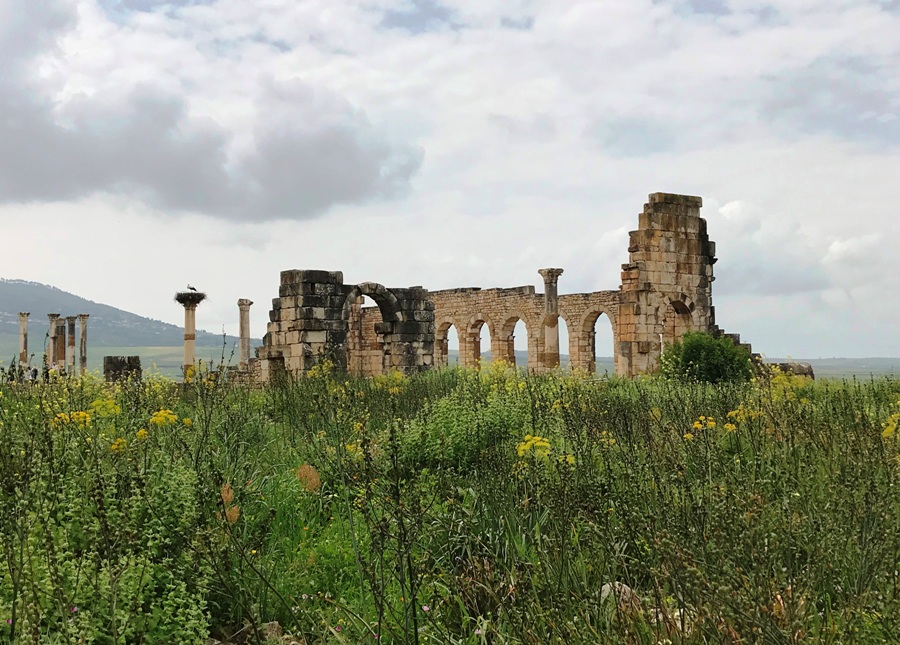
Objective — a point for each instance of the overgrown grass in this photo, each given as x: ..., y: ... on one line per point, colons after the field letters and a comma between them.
x: 453, y: 507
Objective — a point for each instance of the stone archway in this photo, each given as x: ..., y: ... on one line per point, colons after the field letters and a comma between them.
x: 370, y: 331
x: 504, y: 341
x: 583, y: 339
x: 470, y: 340
x: 677, y: 319
x: 441, y: 344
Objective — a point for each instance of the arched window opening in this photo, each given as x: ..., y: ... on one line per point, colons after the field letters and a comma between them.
x: 676, y: 322
x: 485, y: 343
x: 520, y: 343
x: 446, y: 344
x: 593, y: 349
x: 452, y: 346
x: 477, y: 343
x: 603, y: 350
x: 564, y: 359
x: 365, y: 342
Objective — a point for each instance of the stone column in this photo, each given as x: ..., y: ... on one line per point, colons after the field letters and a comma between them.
x: 190, y: 336
x: 82, y: 337
x: 50, y: 354
x: 70, y: 354
x: 189, y: 300
x: 551, y: 317
x: 60, y: 357
x: 244, y: 346
x: 23, y: 337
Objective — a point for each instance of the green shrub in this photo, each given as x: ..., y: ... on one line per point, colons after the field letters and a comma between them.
x: 700, y: 358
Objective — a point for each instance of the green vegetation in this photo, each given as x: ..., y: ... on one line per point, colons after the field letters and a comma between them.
x: 453, y: 507
x: 698, y: 357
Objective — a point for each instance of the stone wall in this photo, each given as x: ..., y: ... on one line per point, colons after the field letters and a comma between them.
x: 467, y: 310
x: 667, y: 284
x: 666, y: 290
x: 315, y: 318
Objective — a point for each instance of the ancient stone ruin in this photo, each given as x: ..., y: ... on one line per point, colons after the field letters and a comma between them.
x: 318, y: 317
x: 666, y: 290
x: 60, y: 350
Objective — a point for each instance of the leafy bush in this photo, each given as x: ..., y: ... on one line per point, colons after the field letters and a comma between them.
x: 700, y: 358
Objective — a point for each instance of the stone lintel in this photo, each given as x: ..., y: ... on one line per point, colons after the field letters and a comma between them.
x: 674, y: 198
x: 292, y: 276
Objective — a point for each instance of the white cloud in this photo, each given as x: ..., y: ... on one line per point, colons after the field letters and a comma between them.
x: 469, y: 145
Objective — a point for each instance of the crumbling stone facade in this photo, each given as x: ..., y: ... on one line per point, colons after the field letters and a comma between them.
x: 667, y: 283
x: 317, y: 317
x: 666, y: 290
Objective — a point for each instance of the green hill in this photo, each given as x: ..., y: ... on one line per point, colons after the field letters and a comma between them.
x: 108, y: 327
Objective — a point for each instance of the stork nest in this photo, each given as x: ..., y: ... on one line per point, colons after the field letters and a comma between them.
x: 187, y: 298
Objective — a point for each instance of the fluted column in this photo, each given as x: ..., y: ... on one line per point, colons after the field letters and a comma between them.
x: 244, y: 347
x: 551, y: 317
x: 70, y: 349
x: 23, y: 337
x: 51, y: 340
x: 82, y: 339
x: 60, y: 358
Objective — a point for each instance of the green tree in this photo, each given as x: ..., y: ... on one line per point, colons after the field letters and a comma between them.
x: 699, y: 357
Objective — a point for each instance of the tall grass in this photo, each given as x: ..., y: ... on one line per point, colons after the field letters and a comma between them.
x: 452, y: 507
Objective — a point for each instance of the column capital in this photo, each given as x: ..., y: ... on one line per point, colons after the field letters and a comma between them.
x: 53, y: 316
x: 244, y: 302
x: 83, y: 317
x: 71, y: 319
x: 550, y: 275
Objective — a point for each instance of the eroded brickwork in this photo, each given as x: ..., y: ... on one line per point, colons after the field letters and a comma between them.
x: 315, y: 318
x: 667, y: 284
x: 666, y: 290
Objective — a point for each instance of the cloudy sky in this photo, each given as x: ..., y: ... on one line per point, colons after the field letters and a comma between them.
x: 145, y: 144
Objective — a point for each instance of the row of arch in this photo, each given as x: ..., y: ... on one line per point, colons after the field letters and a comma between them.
x: 671, y: 318
x: 582, y: 338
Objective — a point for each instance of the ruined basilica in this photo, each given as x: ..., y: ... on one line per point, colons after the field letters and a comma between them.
x: 666, y: 290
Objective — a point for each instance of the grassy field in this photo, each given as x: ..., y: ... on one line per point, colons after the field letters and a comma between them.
x: 453, y: 507
x: 165, y: 361
x: 168, y: 360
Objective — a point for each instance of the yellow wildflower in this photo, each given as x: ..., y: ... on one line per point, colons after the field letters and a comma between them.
x: 80, y: 419
x: 688, y: 436
x: 118, y: 445
x: 890, y: 426
x: 106, y: 408
x: 535, y: 444
x: 142, y: 434
x: 163, y: 418
x: 60, y: 420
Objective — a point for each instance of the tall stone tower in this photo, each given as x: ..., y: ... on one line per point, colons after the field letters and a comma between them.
x: 667, y: 284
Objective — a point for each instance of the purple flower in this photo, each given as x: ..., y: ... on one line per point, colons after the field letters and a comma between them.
x: 426, y: 608
x: 73, y: 609
x: 9, y: 621
x: 337, y: 628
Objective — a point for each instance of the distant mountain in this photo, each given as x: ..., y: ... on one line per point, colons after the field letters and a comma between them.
x: 107, y: 326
